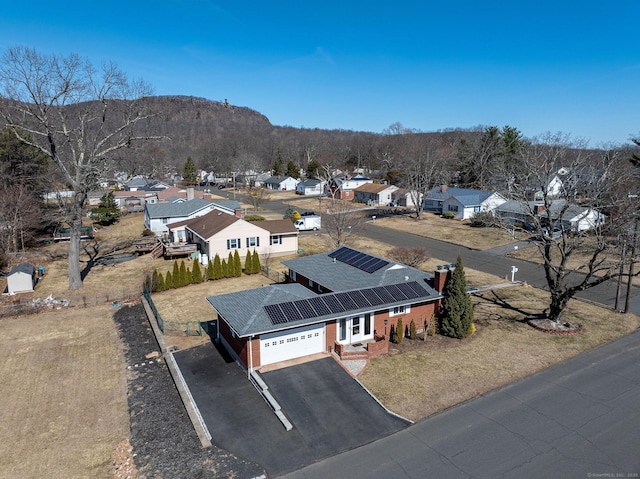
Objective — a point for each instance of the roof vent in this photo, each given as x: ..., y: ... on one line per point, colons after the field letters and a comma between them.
x: 334, y: 260
x: 406, y: 278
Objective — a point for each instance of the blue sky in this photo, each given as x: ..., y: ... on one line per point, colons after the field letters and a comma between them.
x: 563, y: 65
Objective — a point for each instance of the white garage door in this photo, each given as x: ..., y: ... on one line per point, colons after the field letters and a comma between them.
x: 275, y: 347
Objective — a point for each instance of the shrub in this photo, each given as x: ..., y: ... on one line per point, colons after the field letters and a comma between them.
x: 248, y: 266
x: 449, y: 215
x: 482, y: 219
x: 413, y: 333
x: 254, y: 218
x: 210, y: 270
x: 168, y: 281
x: 196, y: 273
x: 256, y: 262
x: 399, y: 331
x: 237, y: 264
x: 218, y: 272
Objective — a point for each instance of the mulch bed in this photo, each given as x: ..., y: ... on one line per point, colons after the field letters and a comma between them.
x: 163, y: 441
x: 555, y: 328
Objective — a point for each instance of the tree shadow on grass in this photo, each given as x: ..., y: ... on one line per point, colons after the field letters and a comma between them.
x: 527, y: 315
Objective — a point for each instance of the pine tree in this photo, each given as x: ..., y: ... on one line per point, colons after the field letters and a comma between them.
x: 399, y: 332
x: 413, y: 331
x: 224, y: 268
x: 237, y: 264
x: 160, y: 283
x: 196, y: 273
x: 231, y: 266
x: 184, y: 277
x: 168, y: 281
x: 248, y: 265
x: 256, y: 262
x: 217, y: 268
x: 153, y: 287
x: 210, y: 271
x: 189, y: 172
x: 457, y: 308
x: 175, y: 275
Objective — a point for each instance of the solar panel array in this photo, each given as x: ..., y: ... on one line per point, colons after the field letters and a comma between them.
x: 337, y: 303
x: 358, y: 259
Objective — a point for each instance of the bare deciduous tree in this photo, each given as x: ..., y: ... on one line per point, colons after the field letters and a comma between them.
x: 75, y: 114
x: 342, y: 221
x: 412, y: 256
x: 559, y: 185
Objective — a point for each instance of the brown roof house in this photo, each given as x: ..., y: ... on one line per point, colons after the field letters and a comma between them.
x: 221, y: 233
x: 374, y: 194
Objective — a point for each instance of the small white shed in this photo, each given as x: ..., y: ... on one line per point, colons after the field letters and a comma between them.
x: 21, y: 278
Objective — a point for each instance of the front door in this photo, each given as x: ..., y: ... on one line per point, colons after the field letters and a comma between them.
x: 357, y: 329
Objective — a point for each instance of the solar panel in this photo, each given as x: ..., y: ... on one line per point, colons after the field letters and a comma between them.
x: 358, y: 259
x: 360, y: 299
x: 419, y: 290
x: 305, y: 308
x: 407, y: 290
x: 346, y: 301
x: 333, y: 304
x: 319, y: 306
x: 396, y: 292
x: 291, y: 313
x: 275, y: 314
x: 384, y: 295
x: 372, y: 297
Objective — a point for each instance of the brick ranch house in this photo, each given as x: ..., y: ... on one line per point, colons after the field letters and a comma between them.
x: 331, y: 301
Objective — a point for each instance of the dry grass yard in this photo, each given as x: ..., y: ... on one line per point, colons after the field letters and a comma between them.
x: 64, y: 400
x: 421, y: 378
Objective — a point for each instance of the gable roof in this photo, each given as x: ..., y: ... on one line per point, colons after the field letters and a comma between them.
x: 177, y: 210
x: 210, y: 224
x: 373, y: 188
x: 310, y: 182
x: 278, y: 179
x: 277, y: 226
x: 26, y: 268
x: 443, y: 192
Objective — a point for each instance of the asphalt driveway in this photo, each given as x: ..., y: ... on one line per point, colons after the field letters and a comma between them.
x: 329, y: 410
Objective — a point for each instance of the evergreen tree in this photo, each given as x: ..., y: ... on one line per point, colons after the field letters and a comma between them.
x: 168, y: 281
x: 224, y: 268
x: 217, y: 268
x: 184, y: 277
x: 107, y: 211
x: 256, y: 262
x: 160, y: 286
x: 277, y: 167
x: 237, y: 264
x: 289, y: 213
x: 231, y: 266
x: 413, y: 331
x: 457, y: 308
x: 153, y: 287
x: 190, y: 173
x: 175, y: 275
x: 292, y: 170
x: 196, y: 273
x: 210, y: 271
x: 312, y: 169
x: 399, y: 331
x: 248, y: 266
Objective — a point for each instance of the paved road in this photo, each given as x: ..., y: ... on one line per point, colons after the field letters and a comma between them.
x: 578, y: 419
x: 498, y: 265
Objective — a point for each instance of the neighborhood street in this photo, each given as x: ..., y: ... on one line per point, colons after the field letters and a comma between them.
x: 577, y: 419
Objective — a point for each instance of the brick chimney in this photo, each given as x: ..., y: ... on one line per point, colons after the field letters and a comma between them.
x: 442, y: 275
x: 443, y: 188
x: 190, y: 193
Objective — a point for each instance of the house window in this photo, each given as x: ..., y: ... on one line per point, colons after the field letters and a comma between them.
x: 277, y: 239
x: 233, y: 243
x: 253, y: 242
x: 165, y: 221
x: 367, y: 323
x: 396, y: 310
x: 343, y: 329
x: 292, y: 274
x: 452, y: 208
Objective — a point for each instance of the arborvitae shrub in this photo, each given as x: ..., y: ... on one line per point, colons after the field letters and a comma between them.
x: 399, y: 331
x: 196, y: 273
x: 218, y: 273
x: 237, y: 264
x: 256, y: 262
x: 248, y: 266
x: 413, y: 333
x: 210, y: 271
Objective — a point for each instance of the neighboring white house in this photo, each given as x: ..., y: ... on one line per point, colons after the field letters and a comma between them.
x: 281, y: 183
x: 404, y: 198
x: 569, y: 217
x: 310, y: 187
x: 21, y: 278
x: 220, y: 233
x: 374, y: 194
x: 158, y: 216
x: 464, y: 202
